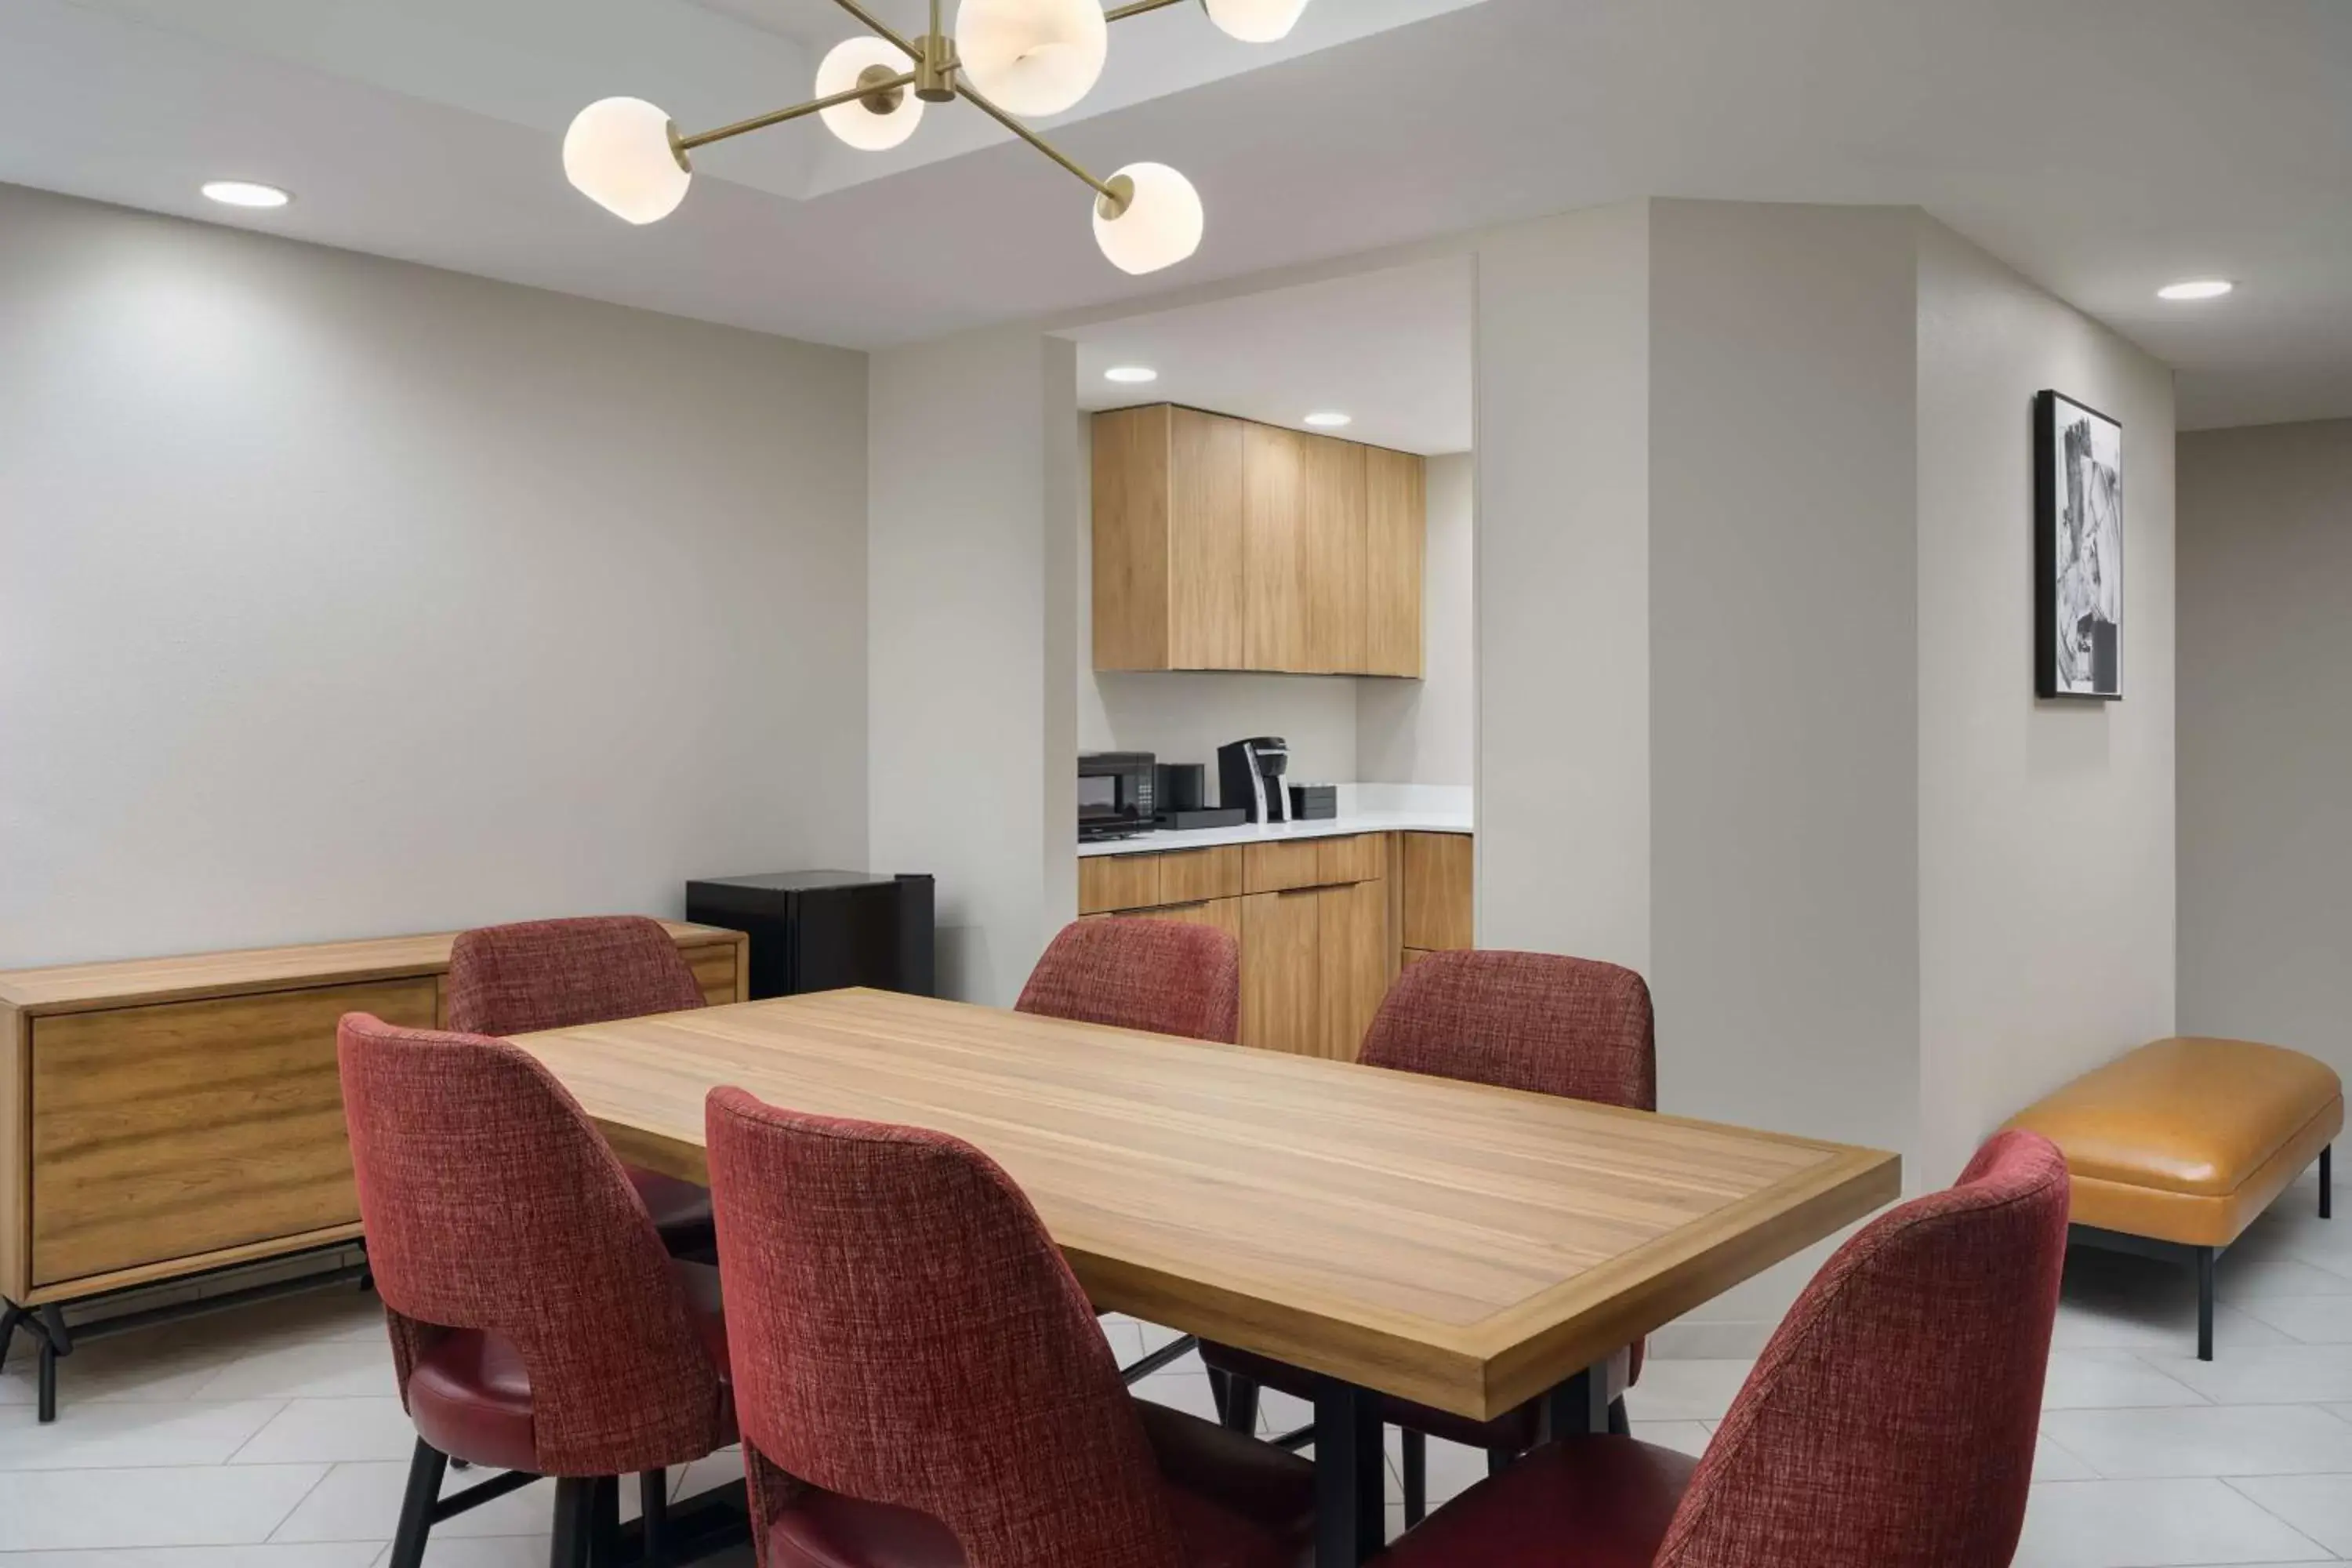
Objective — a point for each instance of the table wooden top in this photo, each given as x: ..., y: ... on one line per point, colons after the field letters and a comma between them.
x: 1465, y: 1247
x: 90, y: 987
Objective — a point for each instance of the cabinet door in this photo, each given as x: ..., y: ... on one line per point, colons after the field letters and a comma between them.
x: 1219, y: 914
x: 1438, y: 903
x: 1132, y: 493
x: 1281, y: 973
x: 1352, y: 948
x: 1204, y: 543
x: 1396, y: 522
x: 1273, y: 548
x: 1331, y: 537
x: 164, y: 1131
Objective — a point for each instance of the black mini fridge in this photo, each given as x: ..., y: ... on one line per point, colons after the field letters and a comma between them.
x: 821, y: 931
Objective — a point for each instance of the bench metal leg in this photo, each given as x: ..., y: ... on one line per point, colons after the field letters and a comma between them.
x: 2327, y: 1182
x: 2205, y: 1255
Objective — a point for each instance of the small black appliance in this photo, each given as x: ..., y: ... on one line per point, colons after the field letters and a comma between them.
x: 1313, y: 803
x: 1249, y: 775
x: 1118, y: 792
x: 821, y: 931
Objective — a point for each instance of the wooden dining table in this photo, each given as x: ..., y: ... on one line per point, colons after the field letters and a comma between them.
x: 1462, y: 1246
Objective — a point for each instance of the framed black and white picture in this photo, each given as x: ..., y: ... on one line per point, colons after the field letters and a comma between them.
x: 2079, y: 546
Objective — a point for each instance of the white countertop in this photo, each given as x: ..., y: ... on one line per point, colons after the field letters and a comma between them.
x: 1363, y: 808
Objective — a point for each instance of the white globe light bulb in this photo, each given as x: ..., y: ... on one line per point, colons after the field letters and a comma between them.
x: 1255, y: 21
x: 619, y: 155
x: 1160, y: 226
x: 855, y: 122
x: 1033, y: 57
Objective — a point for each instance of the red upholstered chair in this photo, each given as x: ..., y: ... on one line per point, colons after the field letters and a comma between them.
x: 537, y: 1326
x: 1530, y: 1021
x: 558, y: 974
x: 1891, y: 1419
x: 881, y: 1431
x: 1160, y: 975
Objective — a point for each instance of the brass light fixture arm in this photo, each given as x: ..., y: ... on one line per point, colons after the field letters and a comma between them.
x: 1110, y: 193
x: 743, y: 127
x: 907, y: 46
x: 1137, y: 8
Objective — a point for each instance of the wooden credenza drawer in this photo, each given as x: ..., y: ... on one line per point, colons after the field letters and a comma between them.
x: 181, y: 1128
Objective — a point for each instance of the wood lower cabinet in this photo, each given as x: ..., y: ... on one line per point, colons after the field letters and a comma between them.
x: 1282, y: 996
x: 1222, y: 543
x: 1312, y: 916
x: 1353, y: 950
x: 161, y: 1118
x: 1437, y: 901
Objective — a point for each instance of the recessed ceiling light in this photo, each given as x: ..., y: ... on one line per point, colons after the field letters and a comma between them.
x: 246, y: 194
x: 1130, y: 374
x: 1329, y: 421
x: 2196, y: 289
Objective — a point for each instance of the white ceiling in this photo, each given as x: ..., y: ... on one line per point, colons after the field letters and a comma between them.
x: 2102, y: 146
x: 1393, y: 349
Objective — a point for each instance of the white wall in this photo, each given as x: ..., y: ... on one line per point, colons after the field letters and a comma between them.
x: 1425, y: 731
x: 342, y: 597
x: 972, y: 645
x: 2046, y: 830
x: 2266, y: 828
x: 1562, y: 548
x: 1783, y: 632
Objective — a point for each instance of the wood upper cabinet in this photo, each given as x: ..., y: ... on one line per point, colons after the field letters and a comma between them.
x: 1221, y: 543
x: 1167, y: 495
x: 1396, y: 527
x: 1275, y: 548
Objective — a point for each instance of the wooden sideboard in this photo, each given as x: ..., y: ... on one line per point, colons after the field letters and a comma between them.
x: 165, y: 1117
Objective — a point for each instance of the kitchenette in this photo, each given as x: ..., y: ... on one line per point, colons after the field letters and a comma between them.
x: 1276, y: 726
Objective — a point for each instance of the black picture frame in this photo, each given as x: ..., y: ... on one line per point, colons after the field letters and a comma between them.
x: 2078, y: 554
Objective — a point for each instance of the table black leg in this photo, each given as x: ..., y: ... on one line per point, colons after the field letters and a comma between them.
x: 1578, y: 1407
x: 1351, y: 1473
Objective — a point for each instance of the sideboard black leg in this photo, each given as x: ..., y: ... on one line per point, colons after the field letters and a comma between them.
x: 2205, y: 1304
x: 56, y: 1342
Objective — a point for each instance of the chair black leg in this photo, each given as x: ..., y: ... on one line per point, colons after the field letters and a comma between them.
x: 575, y: 1522
x: 604, y: 1538
x: 425, y: 1468
x: 1221, y: 1389
x: 1500, y: 1459
x: 653, y: 1502
x: 1241, y: 1405
x: 2327, y: 1182
x: 1619, y: 1423
x: 1413, y: 1460
x: 2205, y: 1304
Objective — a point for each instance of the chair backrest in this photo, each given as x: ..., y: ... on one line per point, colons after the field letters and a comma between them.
x: 1891, y: 1417
x: 903, y: 1332
x: 492, y: 1204
x: 1533, y: 1021
x: 558, y: 974
x: 1161, y: 975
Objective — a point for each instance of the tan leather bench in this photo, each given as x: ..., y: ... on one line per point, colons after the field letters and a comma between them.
x: 2175, y: 1148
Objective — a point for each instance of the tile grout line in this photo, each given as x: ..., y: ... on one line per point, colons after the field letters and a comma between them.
x: 2284, y: 1522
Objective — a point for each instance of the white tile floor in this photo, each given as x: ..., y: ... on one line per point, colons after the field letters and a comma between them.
x: 269, y: 1437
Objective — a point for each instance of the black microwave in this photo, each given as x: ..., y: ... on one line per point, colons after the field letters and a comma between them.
x: 1115, y: 793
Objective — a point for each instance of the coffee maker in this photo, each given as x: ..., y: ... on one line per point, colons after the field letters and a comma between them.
x: 1249, y: 775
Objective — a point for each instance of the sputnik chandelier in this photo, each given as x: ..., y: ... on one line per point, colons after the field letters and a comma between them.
x: 1007, y: 59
